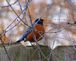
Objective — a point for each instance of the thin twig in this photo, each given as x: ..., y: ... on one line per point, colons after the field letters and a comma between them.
x: 8, y: 5
x: 17, y: 17
x: 17, y: 14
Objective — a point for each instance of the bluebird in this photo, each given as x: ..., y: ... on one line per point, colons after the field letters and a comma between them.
x: 36, y: 31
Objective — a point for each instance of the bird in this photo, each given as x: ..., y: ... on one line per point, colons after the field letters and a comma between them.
x: 34, y: 33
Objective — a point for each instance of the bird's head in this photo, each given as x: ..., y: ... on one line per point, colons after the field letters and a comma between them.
x: 39, y: 21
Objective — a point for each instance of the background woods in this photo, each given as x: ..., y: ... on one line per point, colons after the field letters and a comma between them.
x: 54, y: 12
x: 59, y: 23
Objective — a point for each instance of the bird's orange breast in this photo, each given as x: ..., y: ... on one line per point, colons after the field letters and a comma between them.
x: 37, y: 33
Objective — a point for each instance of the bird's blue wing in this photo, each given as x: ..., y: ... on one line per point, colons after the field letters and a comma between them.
x: 25, y: 35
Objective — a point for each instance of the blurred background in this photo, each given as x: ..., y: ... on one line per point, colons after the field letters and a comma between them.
x: 59, y: 23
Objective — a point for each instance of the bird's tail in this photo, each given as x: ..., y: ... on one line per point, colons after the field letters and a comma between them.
x: 17, y: 42
x: 21, y: 39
